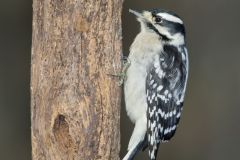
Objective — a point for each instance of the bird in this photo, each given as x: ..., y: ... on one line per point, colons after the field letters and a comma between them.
x: 155, y: 80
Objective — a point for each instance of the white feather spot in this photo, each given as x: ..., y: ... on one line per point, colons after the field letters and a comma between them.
x: 154, y: 85
x: 153, y: 125
x: 156, y: 99
x: 151, y: 140
x: 157, y: 70
x: 149, y: 98
x: 170, y: 114
x: 178, y: 102
x: 173, y: 128
x: 166, y: 92
x: 152, y: 155
x: 151, y: 113
x: 159, y: 88
x: 160, y: 127
x: 178, y: 115
x: 154, y: 95
x: 169, y: 95
x: 161, y: 112
x: 163, y: 98
x: 166, y: 116
x: 151, y: 82
x: 161, y: 74
x: 174, y: 112
x: 154, y: 108
x: 166, y: 131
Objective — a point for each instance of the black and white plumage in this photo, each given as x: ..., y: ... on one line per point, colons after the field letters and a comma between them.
x: 156, y: 80
x: 165, y: 87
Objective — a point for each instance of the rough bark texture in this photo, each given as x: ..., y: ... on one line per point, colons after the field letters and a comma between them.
x: 75, y: 105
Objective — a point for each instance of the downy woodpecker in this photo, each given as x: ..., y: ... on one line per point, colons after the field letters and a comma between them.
x: 155, y: 81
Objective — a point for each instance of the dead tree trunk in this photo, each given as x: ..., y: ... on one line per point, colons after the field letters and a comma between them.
x: 75, y: 105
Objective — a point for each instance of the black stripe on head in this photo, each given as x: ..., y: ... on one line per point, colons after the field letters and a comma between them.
x: 173, y: 27
x: 156, y: 11
x: 164, y: 37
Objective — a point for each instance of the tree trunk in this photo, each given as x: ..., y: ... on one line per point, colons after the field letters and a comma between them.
x: 75, y: 105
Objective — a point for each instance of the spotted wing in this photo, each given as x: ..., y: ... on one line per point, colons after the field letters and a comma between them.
x: 165, y: 87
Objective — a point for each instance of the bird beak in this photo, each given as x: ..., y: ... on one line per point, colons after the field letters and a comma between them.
x: 137, y: 14
x: 140, y: 16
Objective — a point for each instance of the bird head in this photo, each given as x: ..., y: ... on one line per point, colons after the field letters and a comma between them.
x: 166, y: 24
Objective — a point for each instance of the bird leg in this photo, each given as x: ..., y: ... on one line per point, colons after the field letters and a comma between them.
x: 122, y: 75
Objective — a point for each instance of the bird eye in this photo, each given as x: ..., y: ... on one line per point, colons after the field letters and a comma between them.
x: 158, y: 19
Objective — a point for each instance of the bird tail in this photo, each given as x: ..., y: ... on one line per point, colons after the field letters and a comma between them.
x: 134, y: 150
x: 152, y: 152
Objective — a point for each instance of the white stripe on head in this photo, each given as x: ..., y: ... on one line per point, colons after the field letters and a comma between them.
x: 170, y: 17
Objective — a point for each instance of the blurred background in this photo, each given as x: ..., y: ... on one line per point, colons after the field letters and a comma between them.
x: 209, y: 127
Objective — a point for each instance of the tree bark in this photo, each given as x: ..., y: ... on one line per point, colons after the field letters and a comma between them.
x: 75, y: 105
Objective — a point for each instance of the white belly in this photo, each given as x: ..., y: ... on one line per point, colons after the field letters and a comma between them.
x: 135, y: 92
x: 144, y: 49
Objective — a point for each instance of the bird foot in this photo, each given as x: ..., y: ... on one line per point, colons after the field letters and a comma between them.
x: 122, y: 75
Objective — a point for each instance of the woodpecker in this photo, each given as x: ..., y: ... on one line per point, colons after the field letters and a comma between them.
x: 155, y: 81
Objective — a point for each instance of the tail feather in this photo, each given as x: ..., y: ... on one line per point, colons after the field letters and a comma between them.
x: 153, y: 152
x: 134, y: 150
x: 145, y: 143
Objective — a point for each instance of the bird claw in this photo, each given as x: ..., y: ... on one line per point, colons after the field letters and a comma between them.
x: 122, y: 75
x: 125, y: 60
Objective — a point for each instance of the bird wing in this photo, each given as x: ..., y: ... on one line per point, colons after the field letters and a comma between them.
x: 165, y: 87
